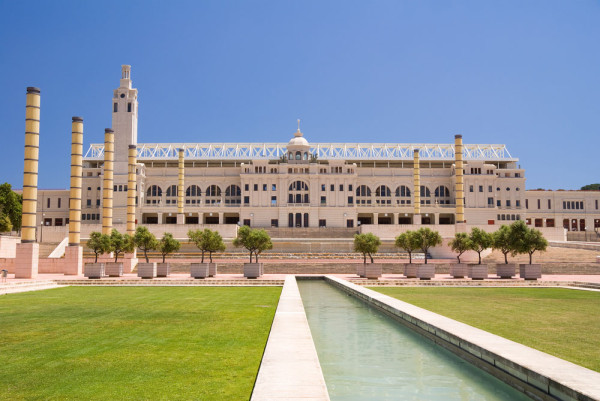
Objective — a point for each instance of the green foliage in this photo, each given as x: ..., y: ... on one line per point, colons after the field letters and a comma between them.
x: 255, y: 241
x: 145, y: 241
x: 527, y: 240
x: 460, y: 244
x: 120, y: 243
x: 5, y: 224
x: 367, y: 244
x: 591, y: 187
x: 11, y: 205
x: 480, y: 241
x: 552, y: 320
x: 99, y: 243
x: 207, y: 241
x: 502, y: 241
x: 425, y: 238
x: 136, y: 343
x: 408, y: 242
x: 167, y: 245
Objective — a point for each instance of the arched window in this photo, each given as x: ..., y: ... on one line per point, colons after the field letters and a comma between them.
x: 403, y: 195
x: 192, y: 195
x: 425, y: 195
x: 153, y: 195
x: 298, y: 192
x: 383, y: 195
x: 172, y: 195
x: 213, y: 195
x: 233, y: 195
x: 442, y: 195
x: 298, y: 155
x: 363, y: 195
x: 305, y: 156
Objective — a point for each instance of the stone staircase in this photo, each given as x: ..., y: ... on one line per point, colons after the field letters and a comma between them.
x: 311, y: 232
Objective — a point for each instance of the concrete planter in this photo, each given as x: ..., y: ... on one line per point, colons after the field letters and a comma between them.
x: 459, y: 270
x: 530, y: 271
x: 163, y: 269
x: 410, y: 270
x: 425, y: 271
x: 112, y: 269
x: 506, y: 270
x: 253, y: 270
x: 360, y: 269
x: 146, y: 270
x: 212, y: 269
x: 373, y: 270
x: 93, y: 270
x: 478, y: 272
x: 199, y: 270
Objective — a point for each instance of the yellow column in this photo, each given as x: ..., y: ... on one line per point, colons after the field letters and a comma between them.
x: 107, y: 193
x: 76, y: 172
x: 459, y: 185
x: 30, y: 172
x: 416, y: 183
x: 180, y: 183
x: 131, y: 189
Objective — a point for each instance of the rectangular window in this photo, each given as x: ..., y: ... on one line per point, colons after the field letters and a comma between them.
x: 539, y: 202
x: 59, y: 202
x: 518, y: 203
x: 246, y: 200
x: 129, y: 107
x: 48, y: 203
x: 596, y: 204
x: 526, y: 203
x: 508, y: 203
x: 549, y: 204
x: 274, y: 223
x: 498, y: 203
x: 322, y: 187
x: 93, y: 217
x: 349, y: 187
x: 332, y: 187
x: 517, y: 175
x: 264, y: 187
x: 115, y: 188
x: 273, y: 201
x: 481, y: 188
x: 341, y: 187
x: 125, y: 188
x: 97, y: 202
x: 89, y: 203
x: 323, y: 223
x: 247, y: 222
x: 470, y: 188
x: 273, y: 187
x: 489, y: 188
x: 581, y: 205
x: 115, y: 108
x: 246, y: 187
x: 323, y: 200
x: 256, y: 187
x: 83, y: 216
x: 120, y: 188
x: 491, y: 201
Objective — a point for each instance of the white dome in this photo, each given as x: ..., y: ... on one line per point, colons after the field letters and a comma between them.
x: 298, y: 141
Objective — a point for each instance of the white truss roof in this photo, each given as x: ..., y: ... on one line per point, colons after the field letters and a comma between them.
x: 324, y: 151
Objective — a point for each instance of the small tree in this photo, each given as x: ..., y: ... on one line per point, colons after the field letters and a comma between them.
x: 197, y: 237
x: 214, y: 243
x: 526, y: 240
x: 480, y: 241
x: 5, y: 224
x: 425, y: 238
x: 407, y: 241
x: 460, y: 244
x: 167, y: 245
x: 367, y: 244
x: 502, y: 241
x: 145, y: 241
x: 255, y: 241
x: 99, y: 243
x: 120, y: 243
x: 11, y: 204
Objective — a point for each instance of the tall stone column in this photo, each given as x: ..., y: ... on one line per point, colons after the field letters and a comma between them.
x: 130, y: 259
x: 459, y: 184
x: 27, y: 253
x: 74, y: 252
x: 107, y: 193
x: 180, y: 184
x: 416, y: 188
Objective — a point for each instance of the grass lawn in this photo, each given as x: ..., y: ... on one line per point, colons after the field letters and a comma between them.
x: 141, y: 343
x: 561, y: 322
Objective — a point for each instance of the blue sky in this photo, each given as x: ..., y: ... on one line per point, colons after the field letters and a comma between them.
x: 525, y: 73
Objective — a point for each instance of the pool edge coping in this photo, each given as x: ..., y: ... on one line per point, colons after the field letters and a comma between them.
x: 551, y: 376
x: 290, y: 367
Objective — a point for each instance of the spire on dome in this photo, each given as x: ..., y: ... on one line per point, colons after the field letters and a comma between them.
x: 298, y: 133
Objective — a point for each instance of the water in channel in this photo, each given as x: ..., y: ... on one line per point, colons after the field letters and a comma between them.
x: 366, y: 355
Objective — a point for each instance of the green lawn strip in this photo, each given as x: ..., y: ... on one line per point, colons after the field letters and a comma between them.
x: 134, y: 343
x: 561, y: 322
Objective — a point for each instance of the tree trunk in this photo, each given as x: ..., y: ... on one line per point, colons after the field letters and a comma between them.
x: 164, y: 255
x: 146, y: 255
x: 116, y: 256
x: 96, y: 260
x: 458, y: 258
x: 371, y: 256
x: 210, y: 256
x: 425, y: 252
x: 410, y: 257
x: 364, y: 258
x: 530, y: 257
x: 479, y: 253
x: 250, y: 256
x: 202, y: 261
x: 506, y: 257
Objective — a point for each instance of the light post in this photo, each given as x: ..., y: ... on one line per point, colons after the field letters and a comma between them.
x: 41, y: 231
